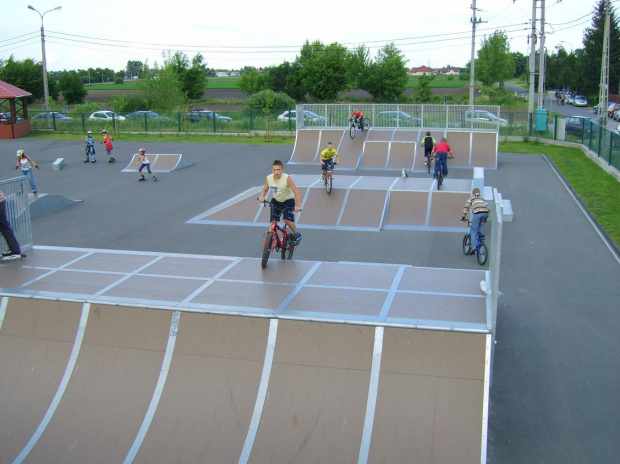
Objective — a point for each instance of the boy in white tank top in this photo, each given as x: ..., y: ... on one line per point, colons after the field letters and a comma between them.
x: 285, y: 196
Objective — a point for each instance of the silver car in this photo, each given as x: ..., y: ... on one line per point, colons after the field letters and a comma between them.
x: 580, y: 100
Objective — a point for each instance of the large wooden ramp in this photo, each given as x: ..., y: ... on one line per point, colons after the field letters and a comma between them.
x: 117, y: 356
x: 395, y: 149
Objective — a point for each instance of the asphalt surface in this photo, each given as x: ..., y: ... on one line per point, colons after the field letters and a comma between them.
x: 554, y: 396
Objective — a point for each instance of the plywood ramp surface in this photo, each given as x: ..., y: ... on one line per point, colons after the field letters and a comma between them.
x: 205, y: 409
x: 430, y: 397
x: 317, y: 394
x: 36, y: 340
x: 306, y: 146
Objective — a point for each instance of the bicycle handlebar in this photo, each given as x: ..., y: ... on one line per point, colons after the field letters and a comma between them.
x: 265, y: 203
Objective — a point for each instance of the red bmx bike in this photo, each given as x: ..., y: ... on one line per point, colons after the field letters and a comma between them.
x: 277, y: 238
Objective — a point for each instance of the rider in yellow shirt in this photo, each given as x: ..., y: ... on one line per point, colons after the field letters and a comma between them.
x: 327, y: 158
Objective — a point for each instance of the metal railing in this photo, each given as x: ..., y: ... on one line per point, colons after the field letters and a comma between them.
x: 17, y: 211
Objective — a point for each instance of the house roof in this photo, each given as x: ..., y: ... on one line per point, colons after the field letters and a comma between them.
x: 10, y: 91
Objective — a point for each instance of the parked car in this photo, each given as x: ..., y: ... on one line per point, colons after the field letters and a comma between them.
x: 575, y: 124
x: 397, y: 118
x: 611, y: 109
x: 205, y: 115
x: 146, y: 114
x: 580, y: 100
x: 5, y: 118
x: 617, y: 131
x: 105, y: 116
x: 308, y: 116
x: 483, y: 118
x: 570, y: 99
x: 53, y: 114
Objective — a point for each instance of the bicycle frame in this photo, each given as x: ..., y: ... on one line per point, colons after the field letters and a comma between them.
x: 277, y: 238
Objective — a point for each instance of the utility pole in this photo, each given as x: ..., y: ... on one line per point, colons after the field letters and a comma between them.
x: 541, y: 62
x: 530, y: 108
x: 472, y: 78
x: 45, y: 89
x: 604, y: 85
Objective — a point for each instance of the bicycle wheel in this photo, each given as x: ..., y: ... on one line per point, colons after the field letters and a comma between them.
x: 428, y: 165
x: 366, y: 124
x: 266, y: 249
x: 287, y: 248
x: 352, y: 131
x: 439, y: 179
x: 482, y: 255
x: 466, y: 243
x: 328, y: 181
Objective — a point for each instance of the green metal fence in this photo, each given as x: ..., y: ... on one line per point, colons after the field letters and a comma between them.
x: 605, y: 142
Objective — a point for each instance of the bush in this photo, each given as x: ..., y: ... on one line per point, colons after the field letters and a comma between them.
x: 119, y: 80
x: 87, y: 107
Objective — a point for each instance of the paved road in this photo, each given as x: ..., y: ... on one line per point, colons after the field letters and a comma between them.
x: 554, y: 397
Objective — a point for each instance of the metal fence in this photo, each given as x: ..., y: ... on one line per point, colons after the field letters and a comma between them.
x: 602, y: 141
x: 17, y: 211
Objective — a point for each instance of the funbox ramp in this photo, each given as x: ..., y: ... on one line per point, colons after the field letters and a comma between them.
x: 394, y: 149
x: 367, y: 203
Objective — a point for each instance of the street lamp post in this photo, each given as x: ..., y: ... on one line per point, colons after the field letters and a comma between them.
x: 45, y: 90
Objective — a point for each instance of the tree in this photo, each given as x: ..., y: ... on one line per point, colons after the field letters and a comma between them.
x: 286, y: 78
x: 193, y: 78
x: 521, y: 63
x: 134, y: 68
x: 387, y: 75
x: 251, y: 81
x: 495, y: 63
x: 358, y: 67
x: 27, y: 75
x: 268, y: 101
x: 590, y: 63
x: 162, y: 91
x: 422, y: 92
x: 323, y: 72
x: 72, y: 88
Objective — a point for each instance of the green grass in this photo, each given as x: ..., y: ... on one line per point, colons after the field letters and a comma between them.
x: 213, y: 83
x: 597, y: 189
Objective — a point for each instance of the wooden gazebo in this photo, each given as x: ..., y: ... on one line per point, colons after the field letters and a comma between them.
x: 14, y: 120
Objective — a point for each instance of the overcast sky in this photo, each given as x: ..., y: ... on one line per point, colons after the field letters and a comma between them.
x: 235, y: 33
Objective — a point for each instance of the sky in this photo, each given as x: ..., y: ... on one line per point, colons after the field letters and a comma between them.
x: 231, y: 34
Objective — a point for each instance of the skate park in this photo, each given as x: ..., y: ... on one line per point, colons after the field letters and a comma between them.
x: 103, y: 291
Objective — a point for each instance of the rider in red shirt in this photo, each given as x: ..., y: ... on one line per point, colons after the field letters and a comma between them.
x: 358, y: 118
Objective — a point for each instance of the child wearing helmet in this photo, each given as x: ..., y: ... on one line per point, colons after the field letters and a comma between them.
x: 26, y: 165
x: 108, y: 145
x: 90, y: 147
x: 144, y: 162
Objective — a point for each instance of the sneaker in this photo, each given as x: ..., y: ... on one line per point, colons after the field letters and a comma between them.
x: 86, y: 161
x: 425, y: 163
x: 93, y: 161
x: 155, y: 179
x: 12, y: 257
x: 297, y: 238
x: 111, y: 160
x: 404, y: 174
x: 35, y: 193
x: 472, y: 251
x: 322, y: 178
x: 141, y: 179
x: 7, y: 253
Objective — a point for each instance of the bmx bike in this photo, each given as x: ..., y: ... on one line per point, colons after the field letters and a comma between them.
x: 277, y: 238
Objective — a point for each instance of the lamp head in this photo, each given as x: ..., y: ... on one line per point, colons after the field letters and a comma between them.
x: 30, y: 7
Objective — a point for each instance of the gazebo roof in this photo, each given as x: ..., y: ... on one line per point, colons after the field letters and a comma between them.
x: 10, y: 91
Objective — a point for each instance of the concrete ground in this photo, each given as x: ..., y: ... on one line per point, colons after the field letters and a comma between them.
x: 554, y: 397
